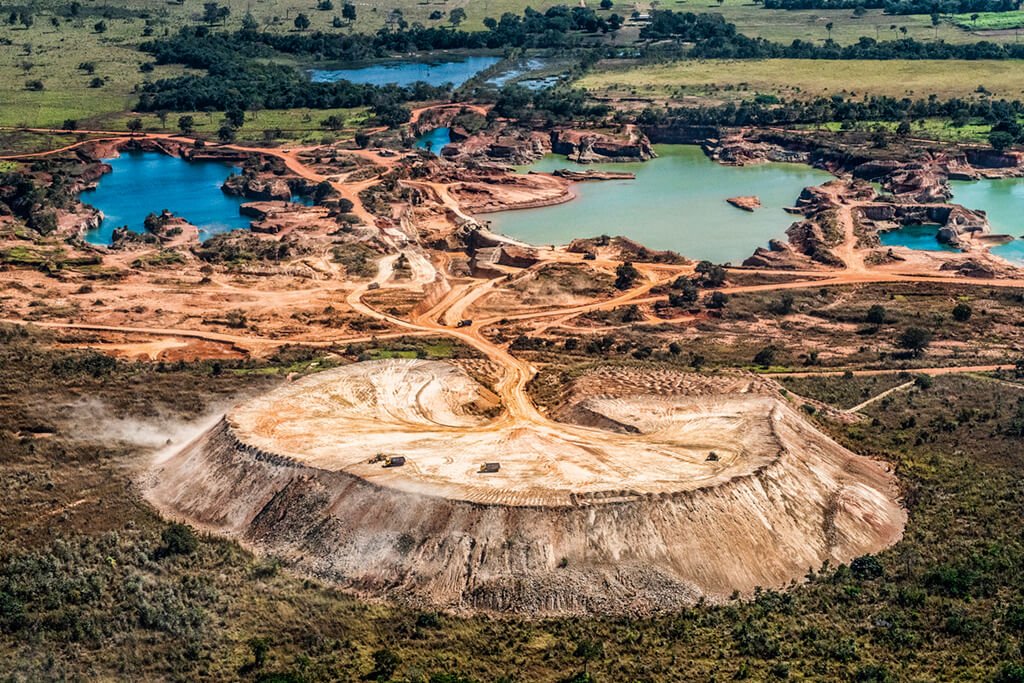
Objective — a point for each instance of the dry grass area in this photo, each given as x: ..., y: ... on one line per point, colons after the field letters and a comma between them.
x: 796, y: 78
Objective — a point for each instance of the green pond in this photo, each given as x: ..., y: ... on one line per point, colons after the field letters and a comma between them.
x: 676, y: 202
x: 1003, y: 202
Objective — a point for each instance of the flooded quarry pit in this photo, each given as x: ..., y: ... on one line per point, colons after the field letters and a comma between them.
x: 143, y: 183
x: 646, y: 497
x: 677, y: 202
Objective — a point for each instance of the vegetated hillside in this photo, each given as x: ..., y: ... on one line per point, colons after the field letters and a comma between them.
x: 93, y: 584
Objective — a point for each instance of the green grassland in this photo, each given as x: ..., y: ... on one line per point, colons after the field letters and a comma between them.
x: 793, y: 78
x: 990, y: 21
x: 931, y: 129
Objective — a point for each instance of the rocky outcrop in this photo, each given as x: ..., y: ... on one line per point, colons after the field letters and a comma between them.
x: 735, y: 148
x: 257, y: 186
x: 749, y: 203
x: 588, y: 147
x: 582, y: 176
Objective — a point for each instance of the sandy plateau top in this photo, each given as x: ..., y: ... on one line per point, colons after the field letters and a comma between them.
x: 440, y: 420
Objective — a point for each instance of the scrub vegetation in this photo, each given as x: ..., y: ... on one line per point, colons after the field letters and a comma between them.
x: 93, y: 584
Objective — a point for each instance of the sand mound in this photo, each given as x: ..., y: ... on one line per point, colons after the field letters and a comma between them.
x: 577, y: 519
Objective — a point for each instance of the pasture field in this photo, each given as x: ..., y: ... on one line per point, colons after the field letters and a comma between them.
x: 990, y: 21
x: 726, y: 80
x: 785, y: 26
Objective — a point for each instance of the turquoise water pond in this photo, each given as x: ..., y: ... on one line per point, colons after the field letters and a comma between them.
x: 676, y: 202
x: 435, y: 139
x: 922, y: 237
x: 456, y: 72
x: 148, y: 182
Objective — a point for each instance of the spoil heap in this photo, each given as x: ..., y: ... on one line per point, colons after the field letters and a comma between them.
x: 662, y: 500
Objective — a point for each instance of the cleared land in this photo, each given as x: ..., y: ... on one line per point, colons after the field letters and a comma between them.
x: 796, y: 78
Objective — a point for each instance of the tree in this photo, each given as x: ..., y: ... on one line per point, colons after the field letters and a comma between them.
x: 96, y: 82
x: 876, y: 315
x: 457, y: 16
x: 607, y: 4
x: 259, y: 648
x: 765, y: 357
x: 301, y: 21
x: 384, y: 664
x: 325, y: 5
x: 226, y: 134
x: 717, y: 300
x: 903, y: 129
x: 70, y: 124
x: 1000, y: 140
x: 711, y: 275
x: 362, y: 140
x: 589, y: 650
x: 213, y: 12
x: 100, y: 26
x: 235, y: 117
x: 962, y: 312
x: 866, y: 567
x: 27, y: 20
x: 249, y: 23
x: 915, y: 340
x: 828, y: 27
x: 348, y: 12
x: 392, y: 114
x: 134, y: 126
x: 333, y: 122
x: 186, y: 124
x: 625, y: 275
x: 179, y: 539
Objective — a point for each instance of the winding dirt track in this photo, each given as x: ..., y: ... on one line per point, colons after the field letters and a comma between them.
x: 453, y: 307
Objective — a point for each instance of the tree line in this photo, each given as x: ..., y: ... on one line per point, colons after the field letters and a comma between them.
x: 240, y: 74
x: 712, y: 37
x: 901, y: 6
x: 771, y: 111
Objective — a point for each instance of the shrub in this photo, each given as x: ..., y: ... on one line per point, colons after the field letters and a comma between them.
x: 179, y: 539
